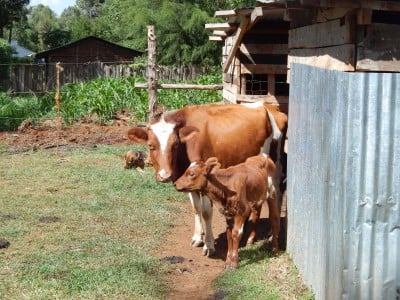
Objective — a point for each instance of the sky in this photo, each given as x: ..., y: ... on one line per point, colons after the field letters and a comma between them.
x: 55, y: 5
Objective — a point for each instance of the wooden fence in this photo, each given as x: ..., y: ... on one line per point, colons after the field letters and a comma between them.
x: 40, y: 78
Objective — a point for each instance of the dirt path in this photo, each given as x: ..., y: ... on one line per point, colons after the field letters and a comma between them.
x: 191, y: 273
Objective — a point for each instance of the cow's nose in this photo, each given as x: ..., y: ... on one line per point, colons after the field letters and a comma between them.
x: 163, y: 176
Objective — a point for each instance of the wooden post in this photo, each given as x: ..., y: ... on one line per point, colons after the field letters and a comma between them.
x: 59, y: 69
x: 151, y: 71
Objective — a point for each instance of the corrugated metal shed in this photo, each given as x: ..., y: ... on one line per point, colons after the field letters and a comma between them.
x: 344, y: 182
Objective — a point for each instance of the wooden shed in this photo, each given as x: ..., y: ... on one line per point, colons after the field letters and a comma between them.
x: 89, y: 49
x: 259, y: 43
x: 341, y: 59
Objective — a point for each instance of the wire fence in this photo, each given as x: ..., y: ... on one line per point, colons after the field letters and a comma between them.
x: 41, y: 78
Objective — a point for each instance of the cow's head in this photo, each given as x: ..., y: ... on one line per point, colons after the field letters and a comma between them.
x: 196, y: 176
x: 167, y: 152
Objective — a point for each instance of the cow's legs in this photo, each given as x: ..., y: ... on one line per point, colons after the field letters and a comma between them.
x: 207, y: 214
x: 198, y: 228
x: 203, y: 213
x: 275, y: 220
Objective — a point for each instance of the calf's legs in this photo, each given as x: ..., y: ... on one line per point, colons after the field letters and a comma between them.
x: 234, y: 232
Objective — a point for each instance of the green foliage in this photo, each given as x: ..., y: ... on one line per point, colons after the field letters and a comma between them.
x: 102, y: 97
x: 14, y: 110
x: 180, y: 40
x: 99, y: 100
x: 11, y: 11
x: 5, y: 57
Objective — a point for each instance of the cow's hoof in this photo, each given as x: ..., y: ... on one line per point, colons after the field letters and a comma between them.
x: 250, y: 241
x: 197, y: 243
x: 208, y: 252
x: 230, y: 267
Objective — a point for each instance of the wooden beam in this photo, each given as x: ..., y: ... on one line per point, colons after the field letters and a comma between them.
x: 236, y: 42
x: 335, y: 32
x: 264, y: 69
x: 225, y: 13
x: 168, y: 86
x: 379, y: 50
x: 214, y: 38
x: 339, y: 58
x: 219, y: 33
x: 364, y: 16
x: 264, y: 48
x: 371, y: 4
x: 219, y: 26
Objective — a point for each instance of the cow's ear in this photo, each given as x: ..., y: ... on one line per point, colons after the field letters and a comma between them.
x: 138, y: 135
x: 211, y: 164
x: 187, y: 133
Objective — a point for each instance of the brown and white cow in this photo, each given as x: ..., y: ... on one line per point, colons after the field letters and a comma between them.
x: 239, y: 192
x: 229, y: 132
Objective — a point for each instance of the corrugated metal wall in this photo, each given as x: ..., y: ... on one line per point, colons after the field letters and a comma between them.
x: 344, y: 182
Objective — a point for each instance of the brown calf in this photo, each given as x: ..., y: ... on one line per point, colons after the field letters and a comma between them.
x: 239, y: 192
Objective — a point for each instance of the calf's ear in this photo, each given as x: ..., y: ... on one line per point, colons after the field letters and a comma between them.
x: 212, y: 163
x: 187, y: 133
x: 138, y: 135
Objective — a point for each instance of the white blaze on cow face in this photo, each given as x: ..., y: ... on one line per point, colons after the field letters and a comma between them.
x: 162, y: 130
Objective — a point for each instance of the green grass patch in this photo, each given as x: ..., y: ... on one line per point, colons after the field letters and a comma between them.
x: 262, y: 276
x: 81, y: 226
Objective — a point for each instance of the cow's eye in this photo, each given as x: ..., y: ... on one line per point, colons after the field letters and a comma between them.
x: 152, y: 148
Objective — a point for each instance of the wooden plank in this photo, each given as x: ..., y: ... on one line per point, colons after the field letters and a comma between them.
x: 264, y: 49
x: 225, y: 13
x: 219, y: 33
x: 265, y: 98
x: 219, y: 26
x: 364, y: 16
x: 236, y: 42
x: 215, y: 38
x: 229, y: 92
x: 171, y: 86
x: 331, y: 13
x: 372, y: 4
x: 271, y: 84
x: 263, y: 69
x: 339, y: 58
x: 379, y: 51
x: 326, y: 34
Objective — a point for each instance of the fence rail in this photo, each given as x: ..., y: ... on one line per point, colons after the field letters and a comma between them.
x: 42, y: 77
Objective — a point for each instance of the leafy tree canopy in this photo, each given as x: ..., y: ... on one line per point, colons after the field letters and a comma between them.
x: 179, y: 26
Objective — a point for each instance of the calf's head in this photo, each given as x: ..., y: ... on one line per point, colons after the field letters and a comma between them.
x: 196, y: 176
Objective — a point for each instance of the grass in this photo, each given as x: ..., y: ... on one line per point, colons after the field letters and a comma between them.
x: 82, y: 227
x: 262, y: 277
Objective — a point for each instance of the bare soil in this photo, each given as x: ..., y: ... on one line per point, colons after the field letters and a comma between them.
x: 191, y: 274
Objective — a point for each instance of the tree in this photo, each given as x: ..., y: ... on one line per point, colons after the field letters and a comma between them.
x: 5, y: 59
x: 42, y: 20
x: 11, y: 11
